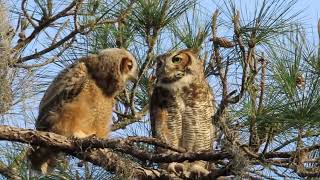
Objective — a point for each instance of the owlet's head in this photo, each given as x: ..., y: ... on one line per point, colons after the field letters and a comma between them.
x: 112, y: 68
x: 178, y: 67
x: 120, y: 60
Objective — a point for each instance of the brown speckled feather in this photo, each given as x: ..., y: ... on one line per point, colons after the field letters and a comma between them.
x: 65, y: 87
x: 79, y: 101
x: 182, y: 106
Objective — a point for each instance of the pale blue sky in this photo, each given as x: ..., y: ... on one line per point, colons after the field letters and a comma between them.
x: 309, y: 17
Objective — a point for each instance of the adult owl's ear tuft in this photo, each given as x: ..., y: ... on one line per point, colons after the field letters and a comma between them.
x: 195, y: 51
x: 126, y: 65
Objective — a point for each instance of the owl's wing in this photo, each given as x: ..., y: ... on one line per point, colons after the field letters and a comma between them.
x: 158, y: 117
x: 64, y: 88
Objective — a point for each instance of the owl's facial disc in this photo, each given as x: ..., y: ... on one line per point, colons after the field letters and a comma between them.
x: 174, y: 68
x: 129, y: 68
x: 173, y: 78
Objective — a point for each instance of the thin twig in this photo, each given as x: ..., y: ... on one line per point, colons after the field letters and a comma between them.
x: 9, y: 172
x: 129, y: 119
x: 25, y: 13
x: 50, y: 60
x: 238, y: 37
x: 155, y: 142
x: 143, y: 69
x: 45, y: 22
x: 262, y: 82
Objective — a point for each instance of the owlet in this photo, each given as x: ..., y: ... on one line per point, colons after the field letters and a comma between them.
x: 79, y: 101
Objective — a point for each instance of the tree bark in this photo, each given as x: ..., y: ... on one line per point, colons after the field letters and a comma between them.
x: 105, y: 153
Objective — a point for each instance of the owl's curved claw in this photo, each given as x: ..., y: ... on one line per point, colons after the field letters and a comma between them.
x: 177, y: 168
x: 197, y: 171
x: 92, y: 136
x: 82, y: 135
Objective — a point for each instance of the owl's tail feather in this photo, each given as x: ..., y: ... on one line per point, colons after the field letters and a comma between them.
x: 42, y: 160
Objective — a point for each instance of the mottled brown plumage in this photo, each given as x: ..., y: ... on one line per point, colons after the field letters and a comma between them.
x: 79, y: 101
x: 182, y: 107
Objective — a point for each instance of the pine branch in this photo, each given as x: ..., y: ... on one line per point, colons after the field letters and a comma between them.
x: 48, y: 20
x: 9, y: 173
x: 129, y: 119
x: 105, y: 153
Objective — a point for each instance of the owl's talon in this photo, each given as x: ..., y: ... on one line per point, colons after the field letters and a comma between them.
x: 92, y: 136
x: 197, y: 171
x: 73, y: 138
x: 176, y: 168
x: 80, y: 135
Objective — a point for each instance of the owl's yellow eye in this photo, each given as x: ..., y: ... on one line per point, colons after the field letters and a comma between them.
x: 176, y: 60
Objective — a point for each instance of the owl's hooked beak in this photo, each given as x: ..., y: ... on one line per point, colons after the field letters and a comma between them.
x: 172, y: 78
x: 179, y: 74
x: 134, y: 76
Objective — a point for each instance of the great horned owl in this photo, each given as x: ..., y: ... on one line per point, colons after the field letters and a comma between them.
x: 79, y: 101
x: 182, y: 106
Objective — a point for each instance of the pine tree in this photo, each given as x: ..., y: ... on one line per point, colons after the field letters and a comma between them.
x: 261, y: 64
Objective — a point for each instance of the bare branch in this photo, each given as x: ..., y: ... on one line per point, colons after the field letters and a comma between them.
x: 262, y: 82
x: 156, y: 142
x: 284, y: 144
x: 52, y: 47
x: 25, y: 13
x: 8, y: 172
x: 86, y: 149
x: 48, y: 19
x: 143, y: 69
x: 129, y: 119
x: 74, y: 146
x: 50, y: 60
x: 45, y: 22
x: 238, y: 37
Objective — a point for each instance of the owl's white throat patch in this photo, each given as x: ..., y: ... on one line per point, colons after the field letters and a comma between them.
x: 179, y: 84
